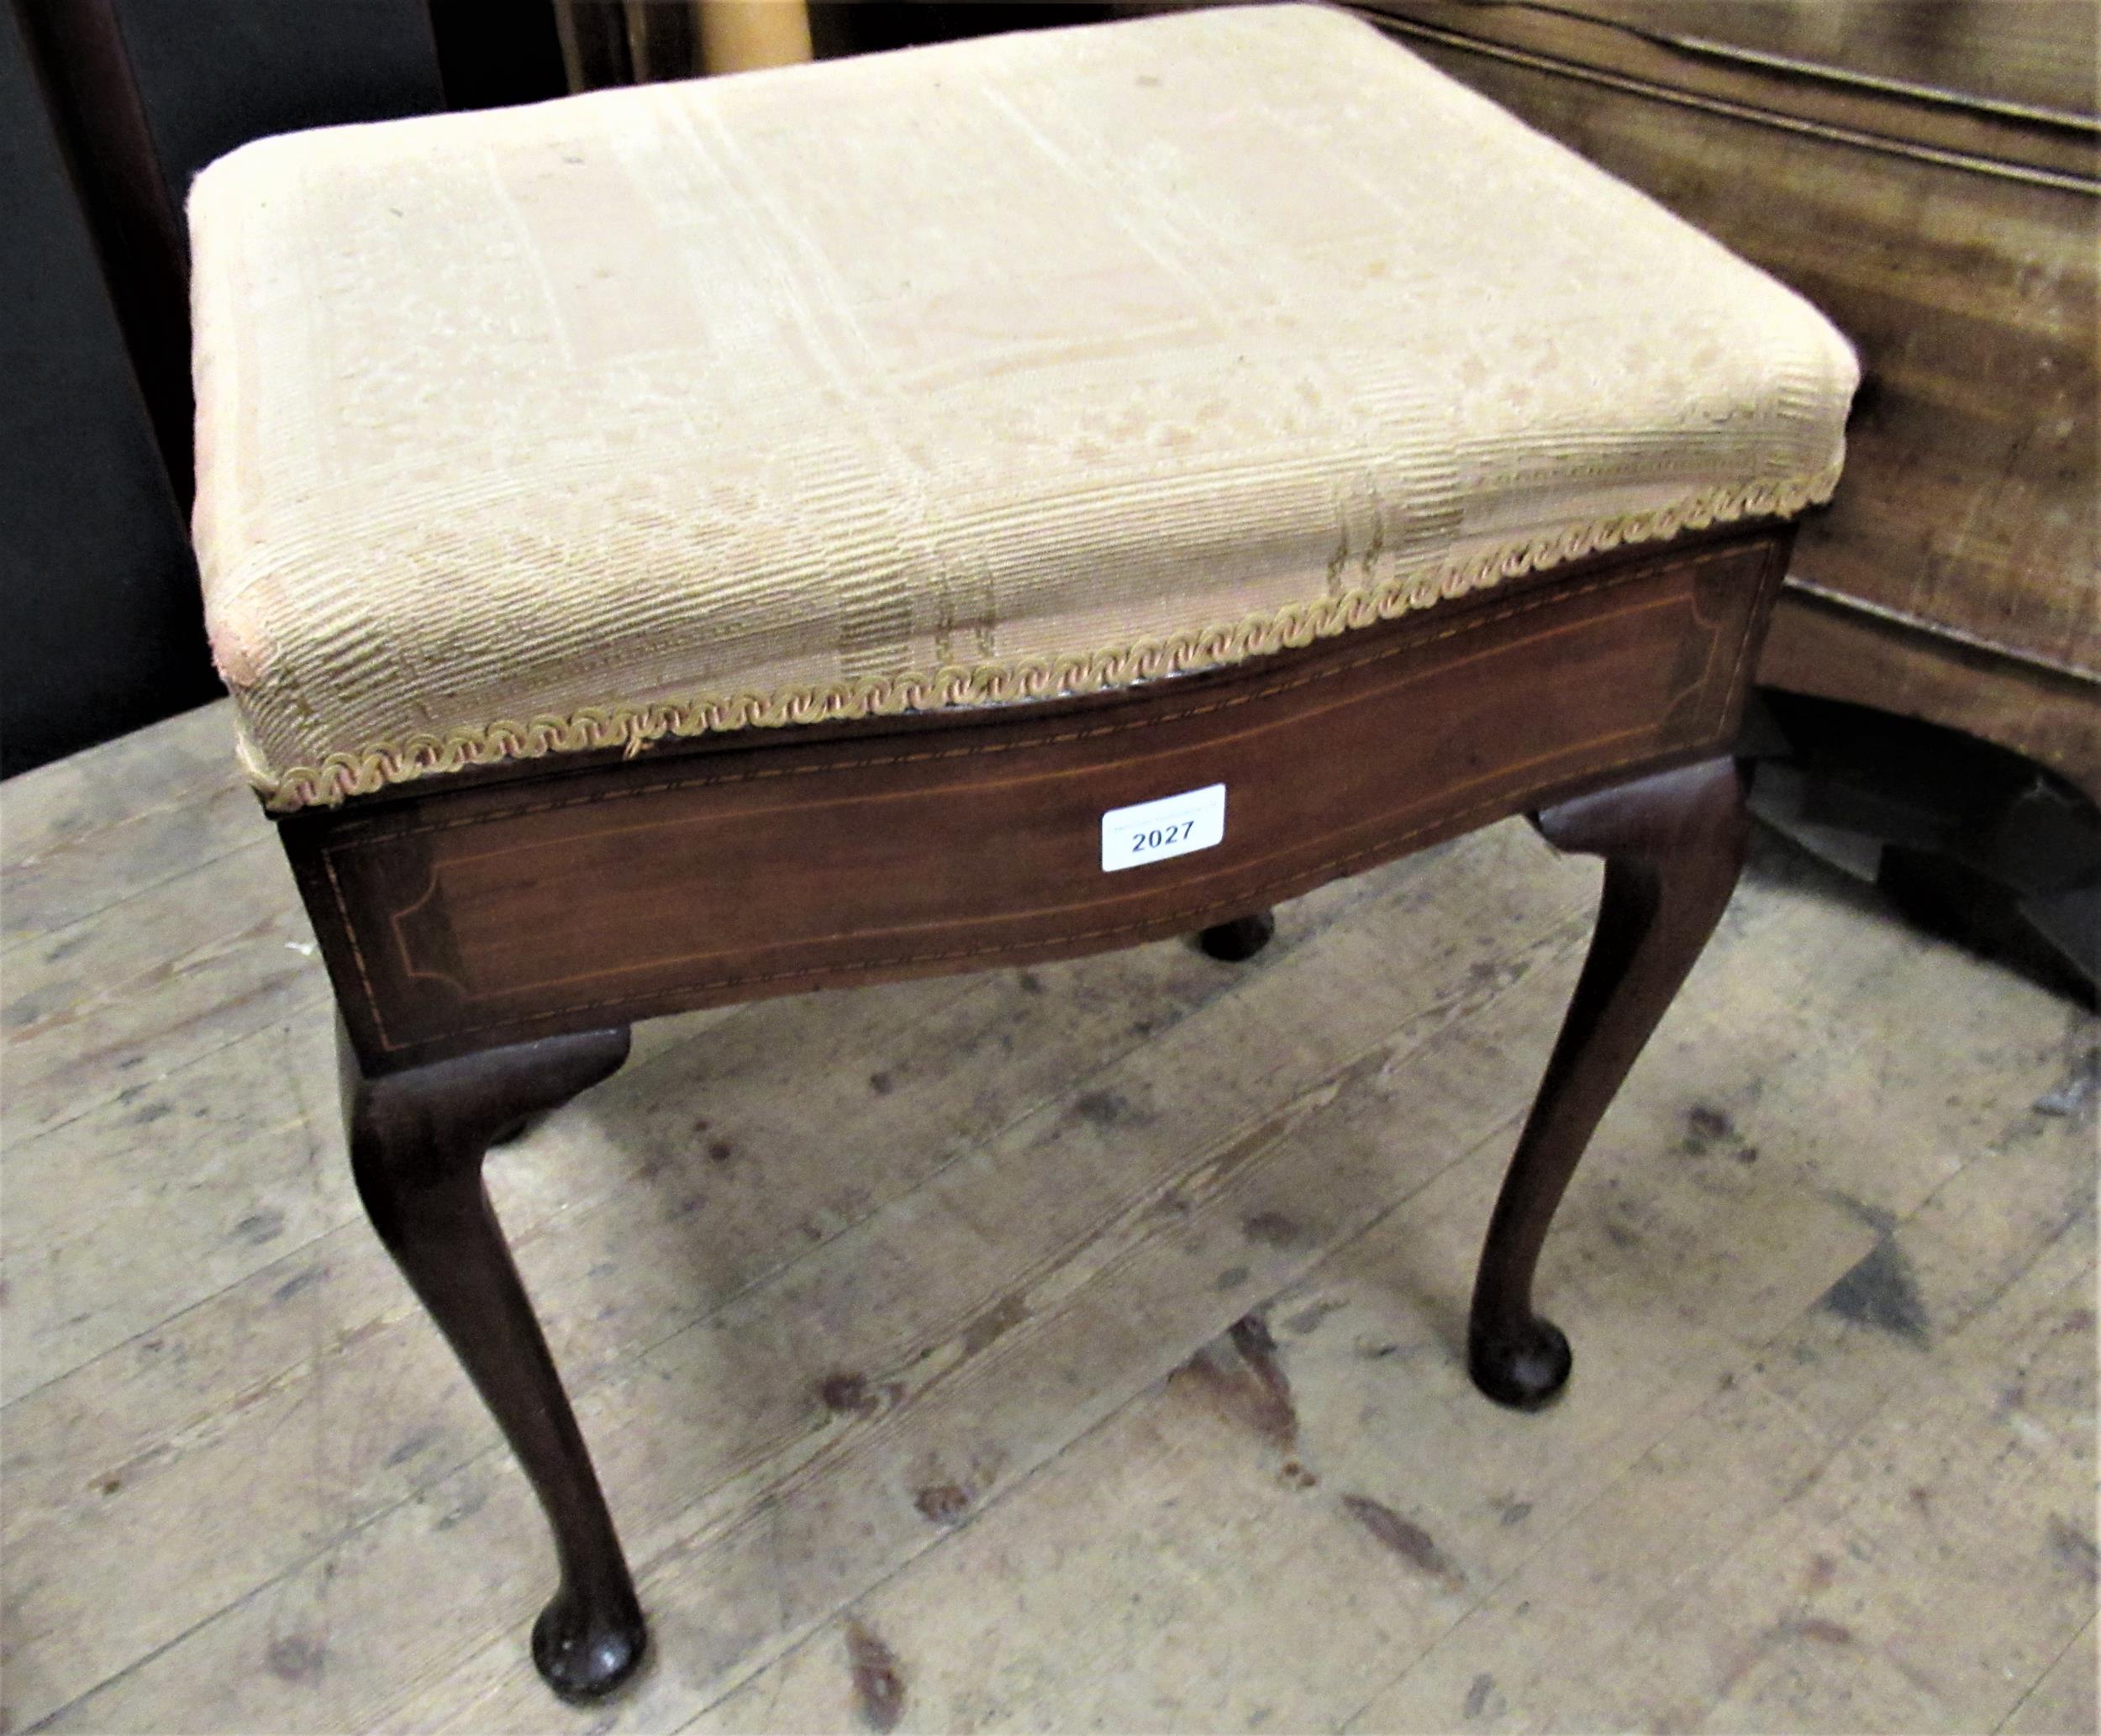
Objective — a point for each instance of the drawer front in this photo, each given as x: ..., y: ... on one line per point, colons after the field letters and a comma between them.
x: 770, y: 864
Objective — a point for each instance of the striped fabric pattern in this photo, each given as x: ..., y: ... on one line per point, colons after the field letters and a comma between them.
x: 971, y: 375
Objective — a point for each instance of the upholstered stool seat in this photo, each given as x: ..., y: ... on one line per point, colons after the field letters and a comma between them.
x: 1022, y: 367
x: 1135, y: 474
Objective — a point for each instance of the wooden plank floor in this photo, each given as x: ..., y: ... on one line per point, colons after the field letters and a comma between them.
x: 904, y: 1323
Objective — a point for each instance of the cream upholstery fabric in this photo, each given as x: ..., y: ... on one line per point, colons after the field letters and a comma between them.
x: 1012, y: 368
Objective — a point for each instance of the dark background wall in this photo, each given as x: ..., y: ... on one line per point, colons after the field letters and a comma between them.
x: 99, y: 625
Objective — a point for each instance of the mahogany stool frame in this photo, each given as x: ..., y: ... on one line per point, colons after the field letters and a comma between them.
x: 490, y: 935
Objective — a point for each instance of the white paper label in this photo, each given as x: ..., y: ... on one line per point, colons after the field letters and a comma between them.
x: 1172, y: 826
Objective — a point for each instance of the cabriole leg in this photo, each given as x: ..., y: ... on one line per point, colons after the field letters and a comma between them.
x: 417, y: 1141
x: 1673, y: 845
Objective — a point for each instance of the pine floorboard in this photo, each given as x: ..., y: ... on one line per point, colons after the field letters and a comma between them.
x: 903, y: 1323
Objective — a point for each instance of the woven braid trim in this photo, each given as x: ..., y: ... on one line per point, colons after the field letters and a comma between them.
x: 634, y: 728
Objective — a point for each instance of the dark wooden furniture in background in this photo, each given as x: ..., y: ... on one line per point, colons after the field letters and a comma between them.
x: 490, y: 933
x: 1929, y: 173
